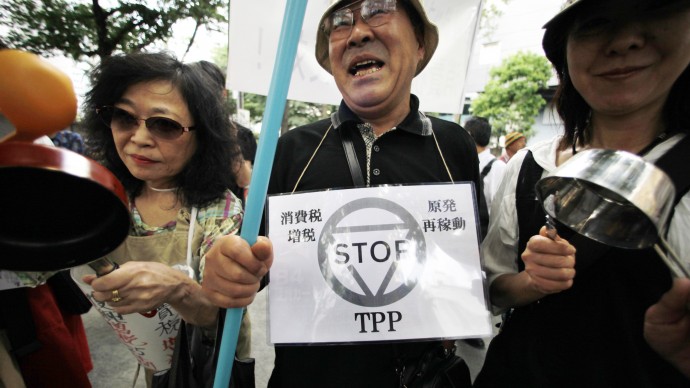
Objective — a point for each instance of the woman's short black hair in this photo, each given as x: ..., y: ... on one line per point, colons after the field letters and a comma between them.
x: 209, y: 172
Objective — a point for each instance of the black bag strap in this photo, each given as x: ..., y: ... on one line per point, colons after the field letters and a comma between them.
x: 351, y: 156
x: 487, y: 169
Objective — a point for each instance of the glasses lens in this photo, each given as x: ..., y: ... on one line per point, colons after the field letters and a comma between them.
x: 377, y: 12
x: 341, y: 23
x: 121, y: 120
x: 164, y: 128
x: 105, y: 113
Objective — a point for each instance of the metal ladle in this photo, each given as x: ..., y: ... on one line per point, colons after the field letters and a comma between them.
x: 614, y: 197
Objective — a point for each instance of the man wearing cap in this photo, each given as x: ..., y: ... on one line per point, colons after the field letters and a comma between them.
x: 373, y: 49
x: 514, y: 142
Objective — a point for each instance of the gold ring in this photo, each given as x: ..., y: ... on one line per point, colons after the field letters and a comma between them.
x: 116, y: 296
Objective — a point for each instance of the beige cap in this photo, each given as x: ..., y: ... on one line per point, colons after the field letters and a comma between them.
x: 430, y: 34
x: 511, y: 137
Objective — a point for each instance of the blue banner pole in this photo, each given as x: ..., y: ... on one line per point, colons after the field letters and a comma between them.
x: 263, y: 162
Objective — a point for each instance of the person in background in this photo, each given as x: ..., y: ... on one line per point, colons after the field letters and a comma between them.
x: 577, y: 306
x: 243, y: 173
x: 248, y: 145
x: 242, y: 168
x: 491, y: 169
x: 514, y: 142
x: 373, y: 49
x: 152, y: 121
x: 491, y: 172
x: 70, y: 140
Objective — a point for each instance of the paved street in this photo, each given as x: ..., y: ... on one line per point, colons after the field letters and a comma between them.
x: 114, y: 366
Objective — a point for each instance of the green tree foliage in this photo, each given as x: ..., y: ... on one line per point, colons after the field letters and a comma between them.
x: 298, y: 113
x: 86, y: 29
x: 302, y: 113
x: 255, y: 104
x: 510, y: 99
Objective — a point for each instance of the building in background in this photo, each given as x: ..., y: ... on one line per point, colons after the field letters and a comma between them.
x: 519, y: 28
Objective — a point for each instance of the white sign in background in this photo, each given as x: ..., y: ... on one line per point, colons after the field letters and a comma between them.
x: 253, y: 43
x: 376, y: 264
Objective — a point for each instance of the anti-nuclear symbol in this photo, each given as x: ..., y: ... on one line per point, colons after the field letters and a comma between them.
x: 373, y: 264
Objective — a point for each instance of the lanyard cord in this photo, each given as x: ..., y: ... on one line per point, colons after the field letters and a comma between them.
x: 311, y: 158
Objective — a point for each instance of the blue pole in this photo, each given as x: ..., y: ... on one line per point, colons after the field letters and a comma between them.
x: 270, y: 130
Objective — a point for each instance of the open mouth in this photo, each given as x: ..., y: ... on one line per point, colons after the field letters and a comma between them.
x: 366, y: 67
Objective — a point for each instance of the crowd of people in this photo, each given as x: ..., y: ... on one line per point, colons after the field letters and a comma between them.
x: 575, y: 312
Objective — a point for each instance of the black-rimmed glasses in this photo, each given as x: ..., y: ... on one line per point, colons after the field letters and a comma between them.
x: 374, y: 13
x: 161, y: 127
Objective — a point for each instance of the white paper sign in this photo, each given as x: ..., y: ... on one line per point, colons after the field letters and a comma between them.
x: 253, y: 43
x: 149, y: 336
x: 376, y: 264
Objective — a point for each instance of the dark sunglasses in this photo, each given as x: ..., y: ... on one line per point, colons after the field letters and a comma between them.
x: 161, y: 127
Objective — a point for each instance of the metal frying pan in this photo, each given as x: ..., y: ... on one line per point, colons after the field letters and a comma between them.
x: 614, y: 197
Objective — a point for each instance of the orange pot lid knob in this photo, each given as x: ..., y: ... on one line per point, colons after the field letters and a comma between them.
x: 35, y: 96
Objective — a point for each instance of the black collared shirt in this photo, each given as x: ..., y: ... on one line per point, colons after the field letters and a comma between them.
x: 406, y: 155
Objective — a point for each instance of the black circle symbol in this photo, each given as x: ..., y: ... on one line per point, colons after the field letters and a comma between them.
x: 402, y: 220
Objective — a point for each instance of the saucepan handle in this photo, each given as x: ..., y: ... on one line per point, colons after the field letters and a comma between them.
x: 103, y: 266
x: 671, y: 259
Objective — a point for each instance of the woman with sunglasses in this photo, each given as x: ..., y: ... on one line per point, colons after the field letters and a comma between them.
x: 161, y: 128
x: 576, y: 306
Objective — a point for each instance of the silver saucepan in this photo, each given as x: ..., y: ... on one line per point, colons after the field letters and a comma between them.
x: 614, y: 197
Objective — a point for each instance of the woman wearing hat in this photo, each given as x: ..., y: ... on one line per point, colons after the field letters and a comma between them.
x: 576, y: 306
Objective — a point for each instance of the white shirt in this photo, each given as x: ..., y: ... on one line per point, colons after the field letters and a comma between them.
x: 493, y: 179
x: 499, y: 249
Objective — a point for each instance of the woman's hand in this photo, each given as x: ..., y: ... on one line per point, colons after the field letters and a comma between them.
x: 234, y: 270
x: 141, y: 286
x: 549, y: 263
x: 549, y: 268
x: 667, y: 325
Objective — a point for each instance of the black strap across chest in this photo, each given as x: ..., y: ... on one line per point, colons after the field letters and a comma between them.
x: 352, y: 162
x: 487, y: 169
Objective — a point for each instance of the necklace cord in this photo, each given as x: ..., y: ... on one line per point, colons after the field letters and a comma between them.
x: 311, y: 158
